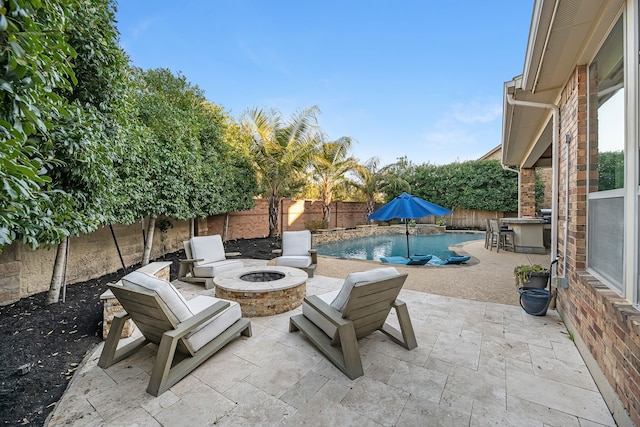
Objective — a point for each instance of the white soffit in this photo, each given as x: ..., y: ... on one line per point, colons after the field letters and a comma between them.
x: 563, y: 34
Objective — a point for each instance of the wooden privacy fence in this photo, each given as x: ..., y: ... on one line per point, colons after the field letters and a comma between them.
x: 468, y: 218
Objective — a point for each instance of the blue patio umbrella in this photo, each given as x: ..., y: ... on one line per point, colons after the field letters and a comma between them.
x: 406, y: 206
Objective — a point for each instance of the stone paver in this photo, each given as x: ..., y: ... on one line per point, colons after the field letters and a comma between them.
x: 478, y: 363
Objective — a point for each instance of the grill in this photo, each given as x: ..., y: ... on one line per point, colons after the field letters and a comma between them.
x: 545, y: 214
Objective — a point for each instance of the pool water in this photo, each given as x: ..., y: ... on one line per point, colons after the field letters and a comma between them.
x: 383, y: 245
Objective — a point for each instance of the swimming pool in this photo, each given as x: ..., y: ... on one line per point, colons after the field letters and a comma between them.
x: 384, y: 245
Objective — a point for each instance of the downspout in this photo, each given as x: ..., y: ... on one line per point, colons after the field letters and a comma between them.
x: 566, y: 210
x: 554, y: 166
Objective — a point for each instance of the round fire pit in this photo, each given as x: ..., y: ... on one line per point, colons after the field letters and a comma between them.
x: 263, y: 291
x: 262, y: 276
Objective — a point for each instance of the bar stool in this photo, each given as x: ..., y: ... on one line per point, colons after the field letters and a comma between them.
x: 507, y: 237
x: 501, y: 237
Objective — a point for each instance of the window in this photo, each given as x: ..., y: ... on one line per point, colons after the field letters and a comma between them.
x: 606, y: 114
x: 606, y: 160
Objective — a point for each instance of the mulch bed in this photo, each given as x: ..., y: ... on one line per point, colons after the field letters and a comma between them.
x: 42, y: 345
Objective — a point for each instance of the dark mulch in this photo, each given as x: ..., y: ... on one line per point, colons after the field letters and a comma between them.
x: 42, y: 345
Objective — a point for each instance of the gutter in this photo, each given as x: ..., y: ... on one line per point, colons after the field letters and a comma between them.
x: 554, y: 165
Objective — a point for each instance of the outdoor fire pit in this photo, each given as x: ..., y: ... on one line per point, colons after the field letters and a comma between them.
x: 263, y: 291
x: 262, y: 276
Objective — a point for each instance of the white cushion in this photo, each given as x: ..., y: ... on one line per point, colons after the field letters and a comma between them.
x: 176, y: 305
x: 294, y: 261
x: 214, y: 327
x: 208, y: 248
x: 296, y: 243
x: 361, y: 277
x: 318, y: 319
x: 213, y: 269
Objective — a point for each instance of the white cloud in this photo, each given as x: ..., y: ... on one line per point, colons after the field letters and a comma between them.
x: 464, y: 132
x: 248, y: 52
x: 477, y: 112
x: 141, y: 27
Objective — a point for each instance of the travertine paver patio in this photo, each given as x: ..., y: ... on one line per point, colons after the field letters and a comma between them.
x: 478, y: 363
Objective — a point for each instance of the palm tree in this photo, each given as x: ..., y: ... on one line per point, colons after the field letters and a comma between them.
x: 330, y: 166
x: 368, y: 180
x: 281, y: 151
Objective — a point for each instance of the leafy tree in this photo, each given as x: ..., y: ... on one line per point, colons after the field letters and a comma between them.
x: 330, y: 166
x: 187, y: 159
x: 228, y: 178
x: 37, y: 64
x: 85, y: 142
x: 164, y: 165
x: 396, y: 178
x: 56, y: 121
x: 610, y: 170
x: 281, y: 151
x: 481, y: 184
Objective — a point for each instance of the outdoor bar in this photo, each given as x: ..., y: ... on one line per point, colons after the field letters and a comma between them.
x: 527, y: 233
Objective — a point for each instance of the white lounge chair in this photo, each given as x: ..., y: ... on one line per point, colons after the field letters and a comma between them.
x: 334, y: 321
x: 297, y: 252
x: 187, y: 332
x: 205, y: 260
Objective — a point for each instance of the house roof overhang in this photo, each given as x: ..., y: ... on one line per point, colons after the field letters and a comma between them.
x: 563, y: 34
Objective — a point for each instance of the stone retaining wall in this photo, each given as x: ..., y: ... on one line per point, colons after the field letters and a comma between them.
x: 332, y: 235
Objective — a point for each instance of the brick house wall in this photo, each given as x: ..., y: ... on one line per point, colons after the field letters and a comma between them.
x: 607, y: 327
x: 527, y: 192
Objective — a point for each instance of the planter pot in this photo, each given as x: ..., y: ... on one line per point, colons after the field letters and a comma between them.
x: 537, y: 280
x: 535, y: 301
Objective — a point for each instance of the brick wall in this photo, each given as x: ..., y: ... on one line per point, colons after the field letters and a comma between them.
x: 607, y: 324
x: 295, y: 215
x: 546, y: 176
x: 527, y: 192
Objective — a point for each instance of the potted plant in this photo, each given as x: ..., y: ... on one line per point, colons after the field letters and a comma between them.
x: 532, y: 276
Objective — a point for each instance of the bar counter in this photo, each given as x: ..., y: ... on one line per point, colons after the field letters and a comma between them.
x: 527, y: 233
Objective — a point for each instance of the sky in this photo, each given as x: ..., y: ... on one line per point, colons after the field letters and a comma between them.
x: 421, y: 79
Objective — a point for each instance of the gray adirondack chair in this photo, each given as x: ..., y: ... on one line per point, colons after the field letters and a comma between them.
x: 335, y: 321
x: 206, y: 258
x: 296, y: 252
x: 187, y: 332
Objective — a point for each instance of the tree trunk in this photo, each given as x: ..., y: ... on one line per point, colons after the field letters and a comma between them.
x: 370, y: 205
x: 326, y: 214
x: 151, y: 226
x: 273, y: 216
x: 225, y: 230
x: 192, y: 227
x: 53, y: 296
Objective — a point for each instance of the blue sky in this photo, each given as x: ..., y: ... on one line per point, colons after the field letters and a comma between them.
x: 421, y: 79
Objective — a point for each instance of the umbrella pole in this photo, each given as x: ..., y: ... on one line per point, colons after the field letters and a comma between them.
x: 406, y: 225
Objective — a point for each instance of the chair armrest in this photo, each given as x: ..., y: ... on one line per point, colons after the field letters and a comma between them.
x: 193, y: 322
x: 328, y: 312
x: 397, y: 303
x: 314, y: 256
x: 191, y: 261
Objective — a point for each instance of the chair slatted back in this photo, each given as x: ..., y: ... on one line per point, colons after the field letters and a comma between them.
x: 148, y: 312
x: 188, y: 254
x: 370, y: 303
